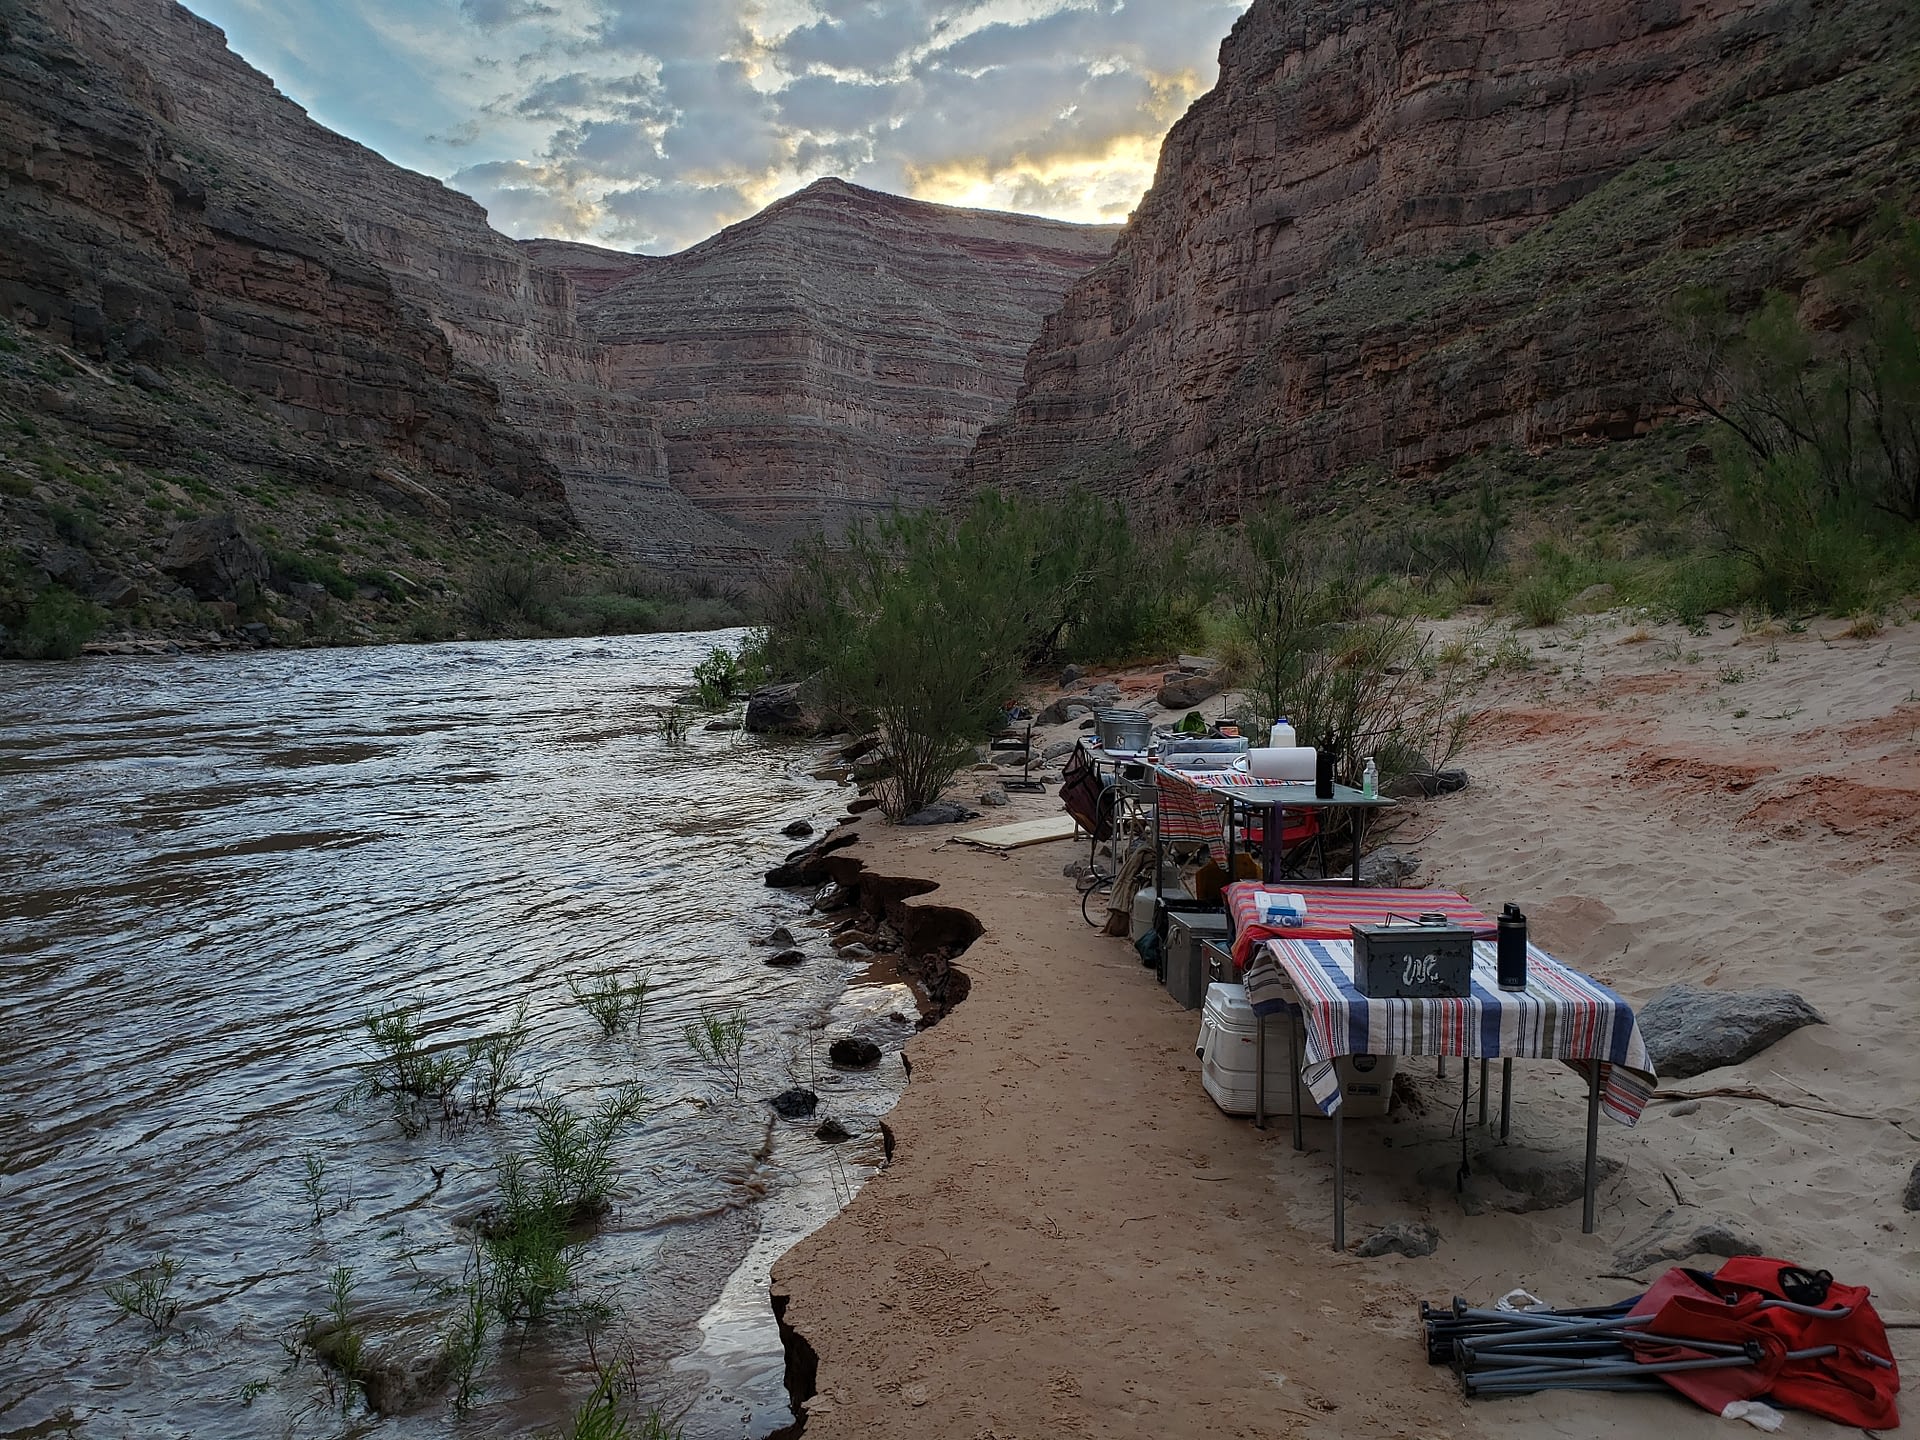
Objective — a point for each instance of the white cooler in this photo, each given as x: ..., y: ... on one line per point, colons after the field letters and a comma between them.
x: 1227, y: 1046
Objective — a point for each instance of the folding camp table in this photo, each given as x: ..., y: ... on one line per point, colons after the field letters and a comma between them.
x: 1561, y: 1015
x: 1240, y: 791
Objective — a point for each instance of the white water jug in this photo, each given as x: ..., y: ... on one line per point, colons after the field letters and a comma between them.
x: 1282, y: 736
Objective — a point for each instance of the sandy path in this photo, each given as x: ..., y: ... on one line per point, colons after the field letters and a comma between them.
x: 1072, y: 1240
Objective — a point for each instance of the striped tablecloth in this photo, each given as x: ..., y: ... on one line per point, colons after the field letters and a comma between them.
x: 1331, y: 909
x: 1187, y: 813
x: 1561, y: 1015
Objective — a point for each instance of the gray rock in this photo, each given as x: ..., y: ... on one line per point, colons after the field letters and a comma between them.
x: 777, y: 710
x: 798, y: 830
x: 1388, y: 869
x: 1183, y: 692
x: 993, y: 797
x: 1519, y: 1181
x: 1070, y: 677
x: 786, y: 959
x: 780, y: 935
x: 832, y: 1131
x: 1400, y: 1238
x: 1058, y: 749
x: 149, y: 379
x: 1911, y: 1200
x: 1684, y: 1108
x: 1690, y: 1030
x: 941, y: 812
x: 1088, y: 723
x: 1013, y: 759
x: 1105, y: 693
x: 1425, y: 784
x: 1680, y: 1235
x: 795, y: 1104
x: 854, y: 1053
x: 213, y: 559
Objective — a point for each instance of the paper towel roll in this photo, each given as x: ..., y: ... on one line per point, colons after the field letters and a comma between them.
x: 1293, y: 763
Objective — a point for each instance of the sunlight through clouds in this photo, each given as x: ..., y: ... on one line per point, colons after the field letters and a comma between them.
x: 648, y: 124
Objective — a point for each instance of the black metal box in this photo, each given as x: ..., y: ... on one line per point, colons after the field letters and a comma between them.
x: 1412, y: 962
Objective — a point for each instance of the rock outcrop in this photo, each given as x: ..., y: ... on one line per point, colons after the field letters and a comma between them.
x: 127, y: 236
x: 1397, y: 234
x: 832, y: 356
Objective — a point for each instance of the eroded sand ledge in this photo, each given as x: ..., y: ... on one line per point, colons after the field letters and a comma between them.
x: 1072, y: 1240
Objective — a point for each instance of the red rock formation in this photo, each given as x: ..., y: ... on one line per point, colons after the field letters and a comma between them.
x: 1396, y: 233
x: 123, y: 238
x: 833, y: 355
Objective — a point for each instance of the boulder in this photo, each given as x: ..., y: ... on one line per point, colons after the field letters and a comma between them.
x: 941, y: 812
x: 1070, y: 677
x: 1690, y: 1030
x: 786, y: 959
x: 213, y: 559
x: 779, y: 936
x: 1911, y: 1200
x: 1183, y: 692
x: 1105, y: 693
x: 798, y: 830
x: 1678, y: 1236
x: 854, y: 1053
x: 1413, y: 1240
x: 832, y: 1131
x: 1014, y: 759
x: 794, y: 1104
x: 807, y: 865
x: 1388, y: 869
x: 777, y: 710
x: 1425, y: 784
x: 993, y: 797
x: 1058, y: 750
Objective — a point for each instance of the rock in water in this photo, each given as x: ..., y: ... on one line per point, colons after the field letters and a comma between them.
x: 798, y: 830
x: 777, y: 710
x: 941, y: 812
x: 788, y: 958
x: 212, y: 558
x: 795, y: 1104
x: 1400, y: 1238
x: 854, y: 1053
x: 832, y: 1131
x: 1690, y: 1031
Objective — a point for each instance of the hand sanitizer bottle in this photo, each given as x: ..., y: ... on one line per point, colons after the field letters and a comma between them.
x: 1370, y: 779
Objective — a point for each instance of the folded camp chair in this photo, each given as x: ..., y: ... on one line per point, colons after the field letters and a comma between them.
x: 1301, y: 837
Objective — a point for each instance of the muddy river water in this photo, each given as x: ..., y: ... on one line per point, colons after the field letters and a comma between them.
x: 213, y: 868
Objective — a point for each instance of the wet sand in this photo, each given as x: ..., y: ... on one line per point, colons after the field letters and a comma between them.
x: 1072, y: 1240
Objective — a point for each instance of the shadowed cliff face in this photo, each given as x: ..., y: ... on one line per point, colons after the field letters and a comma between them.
x: 834, y: 355
x: 1396, y: 234
x: 124, y: 239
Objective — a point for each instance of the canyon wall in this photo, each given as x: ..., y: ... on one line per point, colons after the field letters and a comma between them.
x: 123, y: 239
x: 1396, y: 234
x: 832, y: 356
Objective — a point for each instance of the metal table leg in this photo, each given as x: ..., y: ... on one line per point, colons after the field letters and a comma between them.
x: 1356, y: 827
x: 1506, y: 1096
x: 1259, y: 1072
x: 1593, y: 1143
x: 1339, y: 1180
x: 1299, y: 1057
x: 1485, y: 1064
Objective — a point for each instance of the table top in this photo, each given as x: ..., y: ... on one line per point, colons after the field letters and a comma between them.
x: 1331, y: 910
x: 1243, y: 789
x: 1561, y: 1015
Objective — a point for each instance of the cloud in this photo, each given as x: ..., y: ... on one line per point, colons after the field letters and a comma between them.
x: 648, y: 123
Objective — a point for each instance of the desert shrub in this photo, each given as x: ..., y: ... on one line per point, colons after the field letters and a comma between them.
x: 55, y: 625
x: 718, y: 679
x: 1539, y: 600
x: 1354, y: 683
x: 514, y: 595
x: 290, y: 568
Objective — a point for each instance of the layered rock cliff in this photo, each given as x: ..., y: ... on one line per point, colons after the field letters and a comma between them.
x: 125, y: 238
x: 832, y: 356
x: 1395, y: 234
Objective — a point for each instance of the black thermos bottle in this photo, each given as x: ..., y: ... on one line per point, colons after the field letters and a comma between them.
x: 1323, y: 774
x: 1512, y: 927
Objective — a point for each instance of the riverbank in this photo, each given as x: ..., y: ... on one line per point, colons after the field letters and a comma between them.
x: 1071, y: 1239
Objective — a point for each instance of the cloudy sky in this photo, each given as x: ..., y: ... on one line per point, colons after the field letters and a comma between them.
x: 649, y: 124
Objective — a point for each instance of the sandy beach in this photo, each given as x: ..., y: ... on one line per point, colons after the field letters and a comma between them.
x: 1072, y: 1240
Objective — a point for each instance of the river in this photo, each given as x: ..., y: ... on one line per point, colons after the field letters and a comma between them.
x: 212, y: 870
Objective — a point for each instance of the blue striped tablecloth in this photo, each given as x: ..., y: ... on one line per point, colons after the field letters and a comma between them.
x: 1561, y: 1015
